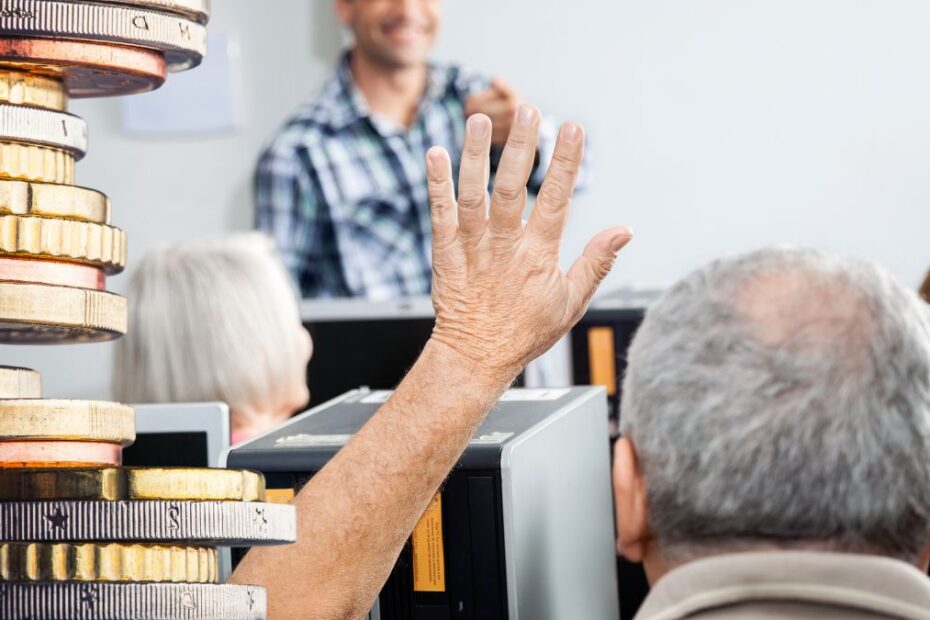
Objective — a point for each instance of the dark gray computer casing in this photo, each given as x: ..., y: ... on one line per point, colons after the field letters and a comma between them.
x: 527, y: 512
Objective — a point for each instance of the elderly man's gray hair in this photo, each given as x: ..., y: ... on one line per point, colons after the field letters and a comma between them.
x: 782, y: 398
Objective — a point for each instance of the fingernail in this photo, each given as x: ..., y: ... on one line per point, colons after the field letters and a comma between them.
x: 435, y: 155
x: 478, y: 126
x: 619, y: 241
x: 572, y: 132
x: 526, y: 114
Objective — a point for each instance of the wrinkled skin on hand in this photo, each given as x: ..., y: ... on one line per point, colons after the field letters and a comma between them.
x: 500, y: 296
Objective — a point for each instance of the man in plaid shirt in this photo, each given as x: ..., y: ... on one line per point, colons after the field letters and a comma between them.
x: 342, y: 187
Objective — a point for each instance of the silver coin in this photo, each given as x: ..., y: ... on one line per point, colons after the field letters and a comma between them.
x: 232, y: 524
x: 195, y: 9
x: 132, y: 601
x: 183, y: 41
x: 45, y: 127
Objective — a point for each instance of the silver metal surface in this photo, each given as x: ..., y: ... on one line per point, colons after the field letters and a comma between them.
x: 296, y: 420
x: 44, y: 127
x: 629, y: 297
x: 233, y: 524
x: 183, y: 41
x: 195, y: 9
x: 321, y: 311
x: 558, y: 512
x: 105, y: 601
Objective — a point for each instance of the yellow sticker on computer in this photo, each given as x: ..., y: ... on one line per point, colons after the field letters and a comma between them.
x: 429, y: 561
x: 279, y: 496
x: 602, y: 357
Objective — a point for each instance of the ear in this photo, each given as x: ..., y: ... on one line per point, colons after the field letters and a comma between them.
x: 344, y: 11
x: 631, y: 503
x: 923, y: 562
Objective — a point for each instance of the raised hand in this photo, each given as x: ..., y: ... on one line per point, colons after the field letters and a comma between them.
x: 501, y: 298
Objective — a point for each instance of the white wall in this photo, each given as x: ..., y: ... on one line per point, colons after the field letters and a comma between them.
x: 715, y: 126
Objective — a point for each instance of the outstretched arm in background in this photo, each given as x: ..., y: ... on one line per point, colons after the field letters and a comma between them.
x: 501, y: 300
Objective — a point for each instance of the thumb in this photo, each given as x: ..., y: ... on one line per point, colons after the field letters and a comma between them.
x: 593, y: 266
x: 504, y: 87
x: 475, y: 103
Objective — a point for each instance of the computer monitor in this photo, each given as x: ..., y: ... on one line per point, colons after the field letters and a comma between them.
x: 522, y: 528
x: 179, y: 435
x: 361, y: 343
x: 601, y: 338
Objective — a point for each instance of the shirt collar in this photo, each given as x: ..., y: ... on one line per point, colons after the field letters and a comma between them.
x: 347, y: 104
x: 886, y: 587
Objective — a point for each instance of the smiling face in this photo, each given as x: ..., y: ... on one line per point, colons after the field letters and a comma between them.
x: 394, y: 33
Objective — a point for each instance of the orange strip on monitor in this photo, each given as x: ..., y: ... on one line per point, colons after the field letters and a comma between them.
x: 602, y: 358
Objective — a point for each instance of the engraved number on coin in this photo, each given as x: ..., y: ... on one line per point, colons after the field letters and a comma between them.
x: 20, y: 13
x: 174, y: 516
x: 58, y: 519
x: 187, y: 600
x: 140, y: 22
x: 260, y: 519
x: 90, y: 594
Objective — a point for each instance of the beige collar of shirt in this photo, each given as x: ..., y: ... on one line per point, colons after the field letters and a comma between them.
x: 863, y: 585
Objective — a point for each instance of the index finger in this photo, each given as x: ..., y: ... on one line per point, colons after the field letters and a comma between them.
x: 547, y: 221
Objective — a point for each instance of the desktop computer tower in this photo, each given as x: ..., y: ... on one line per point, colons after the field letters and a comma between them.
x: 522, y: 528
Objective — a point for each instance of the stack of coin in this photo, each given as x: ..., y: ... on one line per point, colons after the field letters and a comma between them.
x: 81, y: 537
x: 131, y: 543
x: 62, y: 433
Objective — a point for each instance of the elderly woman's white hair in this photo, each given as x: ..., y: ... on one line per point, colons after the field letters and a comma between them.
x: 214, y: 319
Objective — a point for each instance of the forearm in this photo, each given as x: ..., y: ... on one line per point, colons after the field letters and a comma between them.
x: 357, y: 513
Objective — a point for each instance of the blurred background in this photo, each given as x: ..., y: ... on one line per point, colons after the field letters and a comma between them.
x: 714, y: 127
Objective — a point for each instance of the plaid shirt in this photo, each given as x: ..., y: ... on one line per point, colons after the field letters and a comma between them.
x: 344, y: 193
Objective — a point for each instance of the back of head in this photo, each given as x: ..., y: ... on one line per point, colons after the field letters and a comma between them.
x: 782, y: 398
x: 213, y: 319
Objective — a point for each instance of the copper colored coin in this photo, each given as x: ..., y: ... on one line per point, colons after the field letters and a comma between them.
x: 52, y: 272
x: 58, y: 454
x: 88, y: 69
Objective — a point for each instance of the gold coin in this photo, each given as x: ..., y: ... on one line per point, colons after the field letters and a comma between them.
x: 35, y: 163
x: 59, y: 239
x: 19, y: 383
x: 117, y: 484
x: 29, y: 562
x: 37, y: 91
x: 66, y: 420
x: 33, y: 313
x: 52, y: 200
